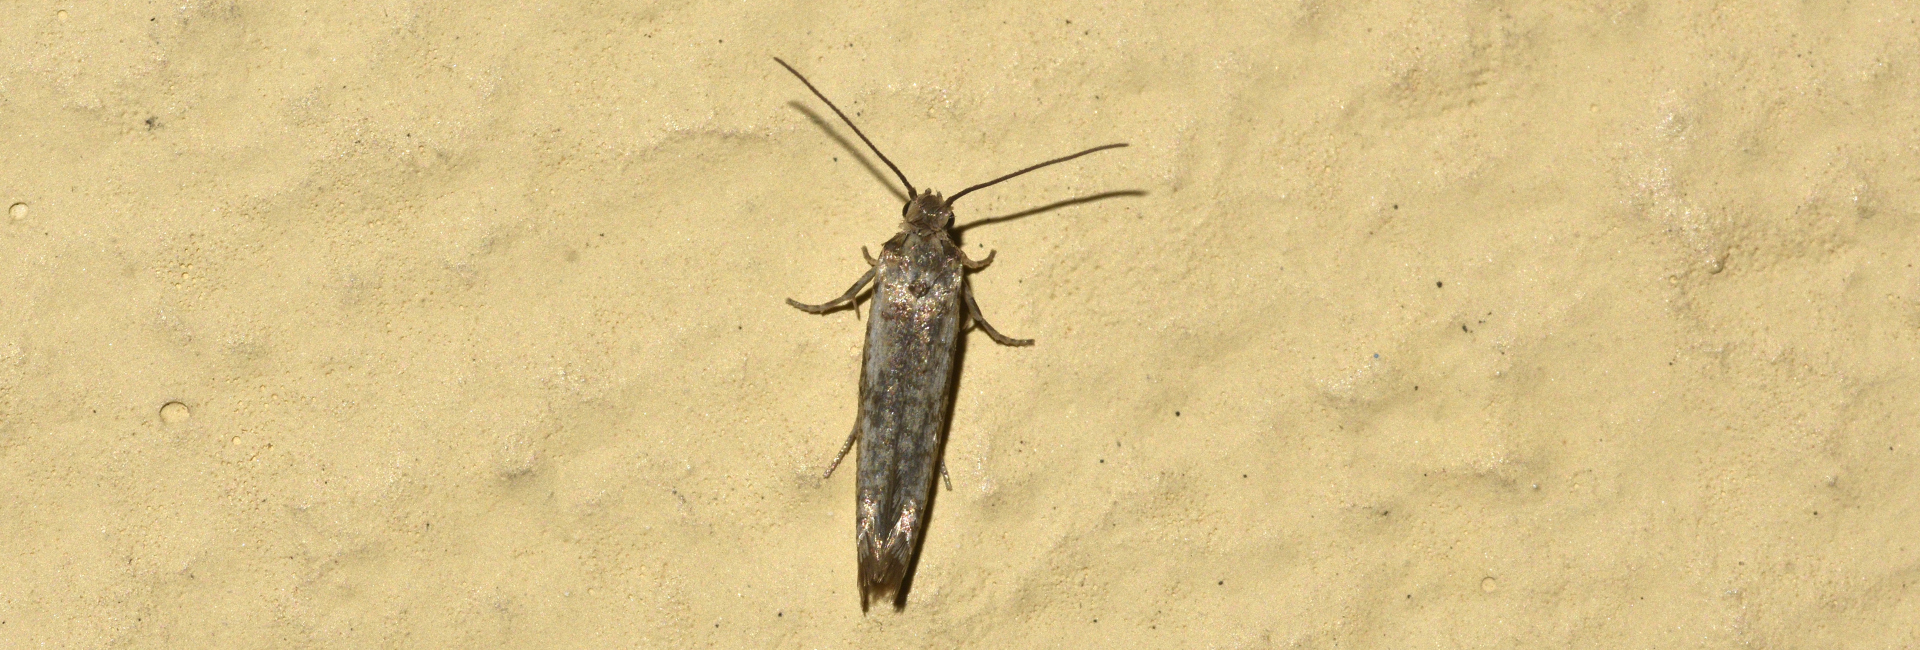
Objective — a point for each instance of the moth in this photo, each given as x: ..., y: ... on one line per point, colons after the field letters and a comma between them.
x: 921, y: 302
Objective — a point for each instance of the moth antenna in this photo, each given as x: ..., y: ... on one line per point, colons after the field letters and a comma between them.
x: 849, y: 121
x: 964, y: 192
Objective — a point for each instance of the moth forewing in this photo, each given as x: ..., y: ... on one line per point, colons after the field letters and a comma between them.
x: 912, y: 329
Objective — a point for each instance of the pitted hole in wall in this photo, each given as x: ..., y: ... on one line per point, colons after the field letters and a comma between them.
x: 175, y: 413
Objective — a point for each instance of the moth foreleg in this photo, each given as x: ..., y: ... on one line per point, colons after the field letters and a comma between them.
x: 842, y: 301
x: 846, y: 448
x: 973, y: 312
x: 975, y: 266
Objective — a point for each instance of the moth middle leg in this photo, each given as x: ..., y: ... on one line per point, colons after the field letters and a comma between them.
x: 975, y: 265
x: 973, y: 312
x: 842, y: 301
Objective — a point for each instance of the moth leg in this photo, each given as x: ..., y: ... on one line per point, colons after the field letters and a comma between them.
x: 973, y: 311
x: 842, y: 301
x: 943, y: 475
x: 849, y: 447
x: 869, y: 256
x: 975, y: 266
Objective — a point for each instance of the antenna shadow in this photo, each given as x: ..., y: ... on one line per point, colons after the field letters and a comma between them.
x: 851, y: 150
x: 1056, y: 205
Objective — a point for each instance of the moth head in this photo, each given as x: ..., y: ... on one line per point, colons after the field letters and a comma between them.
x: 928, y: 212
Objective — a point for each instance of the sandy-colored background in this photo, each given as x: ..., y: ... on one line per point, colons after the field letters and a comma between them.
x: 1437, y: 325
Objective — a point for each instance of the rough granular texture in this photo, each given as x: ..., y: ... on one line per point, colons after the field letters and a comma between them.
x: 1476, y: 325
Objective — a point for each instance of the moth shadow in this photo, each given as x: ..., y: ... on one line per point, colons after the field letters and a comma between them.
x: 851, y: 150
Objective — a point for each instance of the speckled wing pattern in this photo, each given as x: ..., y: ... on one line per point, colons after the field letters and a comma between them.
x: 905, y: 373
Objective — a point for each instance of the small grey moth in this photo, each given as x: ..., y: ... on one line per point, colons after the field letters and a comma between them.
x: 921, y: 300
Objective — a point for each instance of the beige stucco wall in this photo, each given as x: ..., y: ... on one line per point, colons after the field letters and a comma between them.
x: 1425, y: 324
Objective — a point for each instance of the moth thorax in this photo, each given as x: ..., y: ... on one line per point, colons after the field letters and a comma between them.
x: 929, y: 211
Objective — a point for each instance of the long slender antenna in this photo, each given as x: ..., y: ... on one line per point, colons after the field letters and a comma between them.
x: 964, y: 192
x: 856, y: 129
